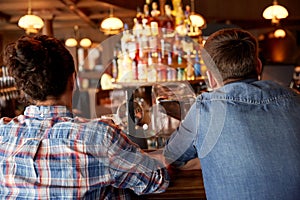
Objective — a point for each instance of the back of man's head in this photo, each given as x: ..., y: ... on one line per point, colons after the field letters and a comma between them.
x: 233, y: 53
x: 40, y: 65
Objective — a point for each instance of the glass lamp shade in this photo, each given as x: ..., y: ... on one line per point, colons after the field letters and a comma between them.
x: 197, y: 20
x: 279, y: 33
x: 275, y: 11
x: 71, y: 42
x: 111, y: 25
x: 85, y: 42
x: 31, y: 22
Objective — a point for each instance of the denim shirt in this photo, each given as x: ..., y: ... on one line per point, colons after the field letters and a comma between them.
x: 247, y: 136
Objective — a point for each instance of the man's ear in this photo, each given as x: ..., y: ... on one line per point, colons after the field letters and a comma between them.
x: 211, y: 80
x: 72, y: 82
x: 259, y: 68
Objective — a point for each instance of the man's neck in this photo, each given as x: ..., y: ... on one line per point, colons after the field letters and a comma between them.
x: 64, y: 100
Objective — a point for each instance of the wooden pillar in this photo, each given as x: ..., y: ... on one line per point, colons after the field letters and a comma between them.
x: 48, y: 27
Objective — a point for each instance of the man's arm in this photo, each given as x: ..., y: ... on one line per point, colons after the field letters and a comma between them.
x: 180, y: 149
x: 132, y: 168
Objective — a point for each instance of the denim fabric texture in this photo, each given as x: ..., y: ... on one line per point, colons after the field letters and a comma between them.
x: 247, y: 136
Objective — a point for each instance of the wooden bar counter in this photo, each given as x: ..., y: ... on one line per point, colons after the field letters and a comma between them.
x: 184, y: 184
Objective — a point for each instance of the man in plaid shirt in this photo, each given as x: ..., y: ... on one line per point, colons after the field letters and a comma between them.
x: 47, y: 153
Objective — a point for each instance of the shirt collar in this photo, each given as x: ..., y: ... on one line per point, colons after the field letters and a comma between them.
x: 47, y: 111
x: 248, y: 80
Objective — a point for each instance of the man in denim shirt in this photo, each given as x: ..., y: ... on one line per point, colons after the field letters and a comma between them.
x: 246, y: 131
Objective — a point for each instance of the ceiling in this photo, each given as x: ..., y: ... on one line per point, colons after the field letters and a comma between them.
x: 88, y: 14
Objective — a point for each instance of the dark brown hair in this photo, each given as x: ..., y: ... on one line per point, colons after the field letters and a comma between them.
x: 233, y: 52
x: 40, y: 65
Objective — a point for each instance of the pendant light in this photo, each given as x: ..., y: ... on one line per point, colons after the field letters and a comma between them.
x: 196, y: 19
x: 279, y: 33
x: 275, y: 12
x: 73, y: 41
x: 111, y: 25
x: 30, y: 23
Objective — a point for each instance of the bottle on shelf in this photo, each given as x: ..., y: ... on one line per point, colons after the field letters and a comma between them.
x: 203, y: 67
x: 125, y: 68
x: 180, y: 68
x: 125, y: 38
x: 152, y: 74
x: 197, y: 65
x: 161, y: 69
x: 189, y: 68
x: 114, y: 70
x: 170, y: 59
x: 142, y: 67
x: 135, y: 61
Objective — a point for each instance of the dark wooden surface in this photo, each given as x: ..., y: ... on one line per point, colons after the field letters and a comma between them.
x: 184, y: 185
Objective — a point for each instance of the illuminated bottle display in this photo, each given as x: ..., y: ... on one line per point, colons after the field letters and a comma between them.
x: 152, y: 52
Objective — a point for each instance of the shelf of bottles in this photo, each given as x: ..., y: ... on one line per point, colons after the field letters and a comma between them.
x: 8, y: 90
x: 153, y: 53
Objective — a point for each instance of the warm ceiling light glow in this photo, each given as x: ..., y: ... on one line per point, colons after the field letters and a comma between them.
x: 111, y: 25
x: 279, y: 33
x: 85, y: 42
x: 275, y: 12
x: 197, y: 20
x: 31, y: 23
x: 71, y: 42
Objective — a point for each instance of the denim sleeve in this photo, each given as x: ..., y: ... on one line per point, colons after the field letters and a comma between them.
x: 180, y: 147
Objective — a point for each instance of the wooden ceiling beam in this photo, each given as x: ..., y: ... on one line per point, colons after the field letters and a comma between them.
x: 4, y: 17
x: 72, y: 7
x: 129, y: 4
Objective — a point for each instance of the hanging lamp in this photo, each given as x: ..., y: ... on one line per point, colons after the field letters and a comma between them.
x: 196, y: 19
x: 73, y: 41
x: 275, y: 12
x: 111, y: 25
x: 30, y: 23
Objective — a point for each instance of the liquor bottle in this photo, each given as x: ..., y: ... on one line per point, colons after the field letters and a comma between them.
x: 161, y: 69
x: 180, y: 69
x: 142, y: 67
x: 203, y: 67
x: 197, y: 65
x: 114, y: 70
x: 126, y: 38
x: 125, y: 68
x: 189, y: 68
x: 135, y: 61
x: 179, y: 59
x: 170, y: 59
x: 152, y: 74
x: 176, y: 45
x: 162, y: 47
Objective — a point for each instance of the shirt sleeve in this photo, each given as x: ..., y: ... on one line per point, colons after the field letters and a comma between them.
x: 132, y: 168
x: 180, y: 147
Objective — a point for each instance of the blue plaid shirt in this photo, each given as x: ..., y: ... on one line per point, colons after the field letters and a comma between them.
x: 49, y: 154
